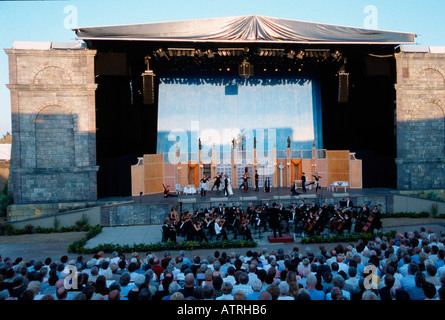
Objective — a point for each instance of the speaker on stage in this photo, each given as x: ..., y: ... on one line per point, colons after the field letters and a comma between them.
x: 148, y: 87
x: 343, y: 87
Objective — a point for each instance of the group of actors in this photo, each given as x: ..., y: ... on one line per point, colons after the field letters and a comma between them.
x: 311, y: 219
x: 223, y: 180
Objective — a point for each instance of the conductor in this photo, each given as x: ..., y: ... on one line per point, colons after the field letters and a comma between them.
x: 274, y: 220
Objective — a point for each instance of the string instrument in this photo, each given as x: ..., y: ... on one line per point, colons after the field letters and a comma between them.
x: 341, y: 225
x: 312, y: 225
x: 334, y: 224
x: 307, y: 222
x: 368, y: 223
x: 174, y: 215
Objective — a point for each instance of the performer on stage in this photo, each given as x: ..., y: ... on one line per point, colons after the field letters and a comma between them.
x: 317, y: 182
x: 246, y: 179
x: 229, y: 186
x: 267, y: 185
x: 203, y: 185
x: 167, y: 192
x: 293, y: 190
x: 226, y: 185
x: 303, y: 182
x: 257, y: 179
x: 217, y: 182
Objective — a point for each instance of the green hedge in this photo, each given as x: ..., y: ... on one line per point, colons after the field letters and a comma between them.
x: 349, y: 237
x: 79, y: 246
x: 413, y: 215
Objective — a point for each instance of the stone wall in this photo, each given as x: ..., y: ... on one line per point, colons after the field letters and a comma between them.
x: 133, y: 214
x: 53, y: 125
x: 140, y: 214
x: 420, y: 120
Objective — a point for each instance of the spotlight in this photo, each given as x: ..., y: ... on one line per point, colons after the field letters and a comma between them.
x: 199, y: 53
x: 291, y: 54
x: 300, y: 54
x: 160, y: 52
x: 336, y: 55
x: 210, y: 54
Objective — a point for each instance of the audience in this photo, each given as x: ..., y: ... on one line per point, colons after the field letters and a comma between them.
x: 408, y: 267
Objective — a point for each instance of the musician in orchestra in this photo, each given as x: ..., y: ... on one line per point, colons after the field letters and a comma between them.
x: 349, y: 204
x: 169, y: 231
x: 220, y: 231
x: 313, y: 225
x: 373, y: 221
x: 244, y: 229
x: 313, y: 207
x: 186, y: 226
x: 198, y: 231
x: 362, y: 218
x: 347, y: 223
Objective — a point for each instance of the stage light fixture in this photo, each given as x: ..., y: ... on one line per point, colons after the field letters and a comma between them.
x: 245, y: 69
x: 160, y: 52
x: 210, y: 54
x: 199, y: 53
x: 300, y: 54
x: 291, y: 54
x: 336, y: 55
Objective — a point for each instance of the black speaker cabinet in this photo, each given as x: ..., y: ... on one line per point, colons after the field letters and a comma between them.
x: 148, y: 87
x: 343, y: 87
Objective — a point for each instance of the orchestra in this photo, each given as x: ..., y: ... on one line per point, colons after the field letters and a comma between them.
x: 310, y: 219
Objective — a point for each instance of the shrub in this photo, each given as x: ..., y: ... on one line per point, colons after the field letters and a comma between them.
x: 78, y: 246
x: 349, y: 237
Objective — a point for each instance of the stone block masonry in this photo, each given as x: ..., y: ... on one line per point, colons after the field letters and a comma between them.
x: 420, y: 120
x: 53, y: 125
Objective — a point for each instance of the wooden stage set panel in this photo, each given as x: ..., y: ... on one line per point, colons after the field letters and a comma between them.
x: 338, y: 165
x: 335, y: 166
x: 148, y: 175
x: 153, y: 173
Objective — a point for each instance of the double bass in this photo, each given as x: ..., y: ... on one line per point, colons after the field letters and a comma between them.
x: 312, y: 224
x: 370, y: 221
x: 368, y: 224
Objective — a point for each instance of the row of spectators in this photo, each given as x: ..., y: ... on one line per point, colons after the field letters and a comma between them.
x: 409, y: 266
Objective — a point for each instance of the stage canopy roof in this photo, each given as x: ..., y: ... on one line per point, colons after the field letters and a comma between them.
x: 251, y: 28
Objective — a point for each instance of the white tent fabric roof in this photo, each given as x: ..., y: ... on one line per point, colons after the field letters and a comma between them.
x: 250, y: 28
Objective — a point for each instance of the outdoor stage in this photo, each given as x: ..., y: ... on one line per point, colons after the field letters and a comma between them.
x: 154, y: 208
x: 372, y: 197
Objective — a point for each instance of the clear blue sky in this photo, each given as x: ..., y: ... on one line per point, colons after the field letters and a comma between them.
x: 51, y: 20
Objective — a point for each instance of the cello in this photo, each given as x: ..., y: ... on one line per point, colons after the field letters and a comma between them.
x: 368, y: 223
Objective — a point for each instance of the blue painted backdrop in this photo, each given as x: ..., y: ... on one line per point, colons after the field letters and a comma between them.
x: 216, y: 109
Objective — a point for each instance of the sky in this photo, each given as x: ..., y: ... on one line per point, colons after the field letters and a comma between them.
x: 53, y: 20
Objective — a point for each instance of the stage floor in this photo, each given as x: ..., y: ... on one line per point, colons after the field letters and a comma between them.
x: 276, y: 195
